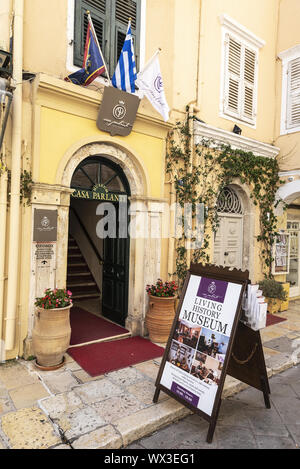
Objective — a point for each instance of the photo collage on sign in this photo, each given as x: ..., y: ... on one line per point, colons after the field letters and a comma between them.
x: 198, y: 351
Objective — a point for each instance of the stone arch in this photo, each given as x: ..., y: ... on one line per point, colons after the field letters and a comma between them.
x: 289, y: 191
x: 116, y: 151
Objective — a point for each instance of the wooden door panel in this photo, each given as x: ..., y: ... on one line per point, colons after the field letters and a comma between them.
x: 228, y: 245
x: 115, y: 277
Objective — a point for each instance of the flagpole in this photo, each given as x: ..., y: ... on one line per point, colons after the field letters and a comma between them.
x: 94, y: 32
x: 150, y: 60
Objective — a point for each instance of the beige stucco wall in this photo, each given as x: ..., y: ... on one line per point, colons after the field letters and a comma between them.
x: 45, y: 36
x: 261, y: 19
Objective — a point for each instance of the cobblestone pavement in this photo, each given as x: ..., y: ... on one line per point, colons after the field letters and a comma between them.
x: 244, y: 422
x: 68, y: 409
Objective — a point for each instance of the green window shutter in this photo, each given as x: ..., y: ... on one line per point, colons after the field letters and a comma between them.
x: 122, y: 11
x: 110, y: 20
x: 97, y: 9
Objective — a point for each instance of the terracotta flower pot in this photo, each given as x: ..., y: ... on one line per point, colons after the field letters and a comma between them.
x: 160, y: 317
x: 51, y: 336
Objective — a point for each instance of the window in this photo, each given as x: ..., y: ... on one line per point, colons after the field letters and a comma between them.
x: 239, y: 72
x: 293, y: 94
x: 290, y: 102
x: 110, y: 20
x: 240, y: 82
x: 229, y: 202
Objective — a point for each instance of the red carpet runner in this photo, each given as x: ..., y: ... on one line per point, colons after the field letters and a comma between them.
x: 86, y: 327
x: 97, y: 359
x: 272, y: 319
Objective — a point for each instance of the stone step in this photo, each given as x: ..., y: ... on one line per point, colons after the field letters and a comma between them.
x: 76, y: 262
x: 76, y: 255
x: 76, y: 275
x: 78, y: 283
x: 85, y: 296
x: 78, y: 269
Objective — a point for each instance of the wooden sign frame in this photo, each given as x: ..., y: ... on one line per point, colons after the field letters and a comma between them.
x: 244, y: 359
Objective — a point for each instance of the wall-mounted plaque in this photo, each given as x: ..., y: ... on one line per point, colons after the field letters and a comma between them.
x: 45, y: 225
x: 117, y: 111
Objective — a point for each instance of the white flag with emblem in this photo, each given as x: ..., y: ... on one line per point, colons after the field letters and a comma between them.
x: 150, y: 82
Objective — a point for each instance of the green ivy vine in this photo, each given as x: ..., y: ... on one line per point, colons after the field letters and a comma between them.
x: 26, y: 187
x: 199, y: 174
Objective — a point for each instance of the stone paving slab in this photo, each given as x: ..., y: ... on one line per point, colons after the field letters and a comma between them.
x: 115, y: 408
x: 27, y: 396
x: 13, y: 373
x: 6, y: 406
x: 102, y: 438
x: 56, y: 406
x: 78, y: 422
x: 281, y: 344
x: 148, y: 420
x: 70, y: 409
x: 29, y: 429
x: 97, y: 391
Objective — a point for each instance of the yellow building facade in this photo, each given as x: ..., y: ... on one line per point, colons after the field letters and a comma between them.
x: 220, y: 58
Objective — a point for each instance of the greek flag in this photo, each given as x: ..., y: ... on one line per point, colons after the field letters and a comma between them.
x: 125, y: 73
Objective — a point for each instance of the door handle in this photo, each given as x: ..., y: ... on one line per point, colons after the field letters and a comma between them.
x: 226, y: 253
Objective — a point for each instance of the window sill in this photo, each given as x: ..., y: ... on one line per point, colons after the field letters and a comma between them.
x: 237, y: 120
x: 289, y: 131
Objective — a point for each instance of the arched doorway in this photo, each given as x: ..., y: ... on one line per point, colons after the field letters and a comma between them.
x: 98, y: 254
x: 228, y: 244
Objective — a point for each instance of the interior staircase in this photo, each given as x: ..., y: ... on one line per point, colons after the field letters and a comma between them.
x: 79, y: 278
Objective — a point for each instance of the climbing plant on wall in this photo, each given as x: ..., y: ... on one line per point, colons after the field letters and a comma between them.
x: 200, y: 172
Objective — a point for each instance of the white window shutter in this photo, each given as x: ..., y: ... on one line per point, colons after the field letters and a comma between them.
x: 293, y: 102
x: 240, y: 80
x: 233, y: 76
x: 249, y: 83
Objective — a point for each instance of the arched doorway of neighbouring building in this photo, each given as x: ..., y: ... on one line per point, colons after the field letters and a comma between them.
x: 228, y: 244
x: 289, y: 193
x: 98, y: 250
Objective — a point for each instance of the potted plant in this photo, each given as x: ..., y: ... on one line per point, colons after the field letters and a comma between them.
x: 161, y: 312
x: 274, y: 294
x: 52, y: 331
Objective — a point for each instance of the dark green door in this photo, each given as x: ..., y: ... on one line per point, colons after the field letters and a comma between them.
x: 115, y: 278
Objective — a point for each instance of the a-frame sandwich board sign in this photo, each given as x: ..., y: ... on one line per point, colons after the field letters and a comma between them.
x: 207, y: 341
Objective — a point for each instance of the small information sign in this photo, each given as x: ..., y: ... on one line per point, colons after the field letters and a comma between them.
x: 44, y: 251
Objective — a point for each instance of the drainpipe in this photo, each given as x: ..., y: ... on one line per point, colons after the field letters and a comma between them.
x: 3, y: 208
x: 172, y: 228
x: 14, y: 226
